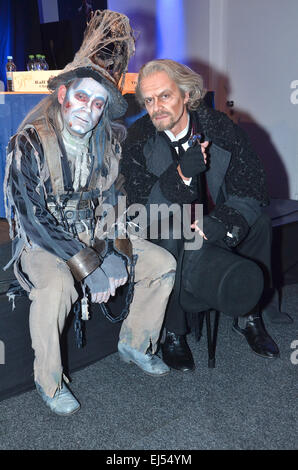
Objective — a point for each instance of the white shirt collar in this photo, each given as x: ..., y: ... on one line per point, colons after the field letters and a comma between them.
x: 181, y: 134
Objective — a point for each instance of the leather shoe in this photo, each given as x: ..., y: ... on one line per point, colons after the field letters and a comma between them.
x: 150, y: 363
x: 63, y: 403
x: 257, y: 337
x: 176, y: 353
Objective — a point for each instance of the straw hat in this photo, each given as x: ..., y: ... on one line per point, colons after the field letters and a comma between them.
x: 106, y: 49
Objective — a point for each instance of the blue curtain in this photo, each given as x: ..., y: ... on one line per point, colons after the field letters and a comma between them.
x: 5, y: 36
x: 19, y: 32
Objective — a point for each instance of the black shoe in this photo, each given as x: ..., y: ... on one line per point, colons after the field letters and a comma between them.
x: 257, y: 337
x: 176, y: 353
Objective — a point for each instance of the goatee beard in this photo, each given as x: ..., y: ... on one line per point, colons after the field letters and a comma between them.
x: 164, y: 127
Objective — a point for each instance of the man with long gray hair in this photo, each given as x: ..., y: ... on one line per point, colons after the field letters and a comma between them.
x: 62, y: 171
x: 184, y: 151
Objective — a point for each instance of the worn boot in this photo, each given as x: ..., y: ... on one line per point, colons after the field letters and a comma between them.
x: 63, y: 403
x: 150, y: 363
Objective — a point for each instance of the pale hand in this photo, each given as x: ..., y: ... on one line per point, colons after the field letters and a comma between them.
x: 197, y: 229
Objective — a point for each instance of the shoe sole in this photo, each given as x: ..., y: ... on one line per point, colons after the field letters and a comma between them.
x: 66, y: 414
x: 130, y: 361
x: 180, y: 370
x: 257, y: 354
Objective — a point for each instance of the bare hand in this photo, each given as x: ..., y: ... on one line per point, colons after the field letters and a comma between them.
x: 100, y: 297
x: 115, y: 283
x: 204, y: 146
x: 197, y: 229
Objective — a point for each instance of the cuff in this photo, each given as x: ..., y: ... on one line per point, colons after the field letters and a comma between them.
x: 84, y: 263
x: 235, y: 224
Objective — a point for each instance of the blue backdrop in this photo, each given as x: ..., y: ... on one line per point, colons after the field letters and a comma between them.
x: 20, y: 33
x: 13, y: 109
x: 5, y: 36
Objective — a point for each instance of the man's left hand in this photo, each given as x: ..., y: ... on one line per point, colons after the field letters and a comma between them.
x: 193, y: 161
x: 114, y: 268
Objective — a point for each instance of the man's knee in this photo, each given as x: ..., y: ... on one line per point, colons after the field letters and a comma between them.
x: 163, y: 264
x: 166, y: 262
x: 172, y: 245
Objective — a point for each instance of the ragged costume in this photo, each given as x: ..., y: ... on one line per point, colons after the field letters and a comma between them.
x: 60, y: 176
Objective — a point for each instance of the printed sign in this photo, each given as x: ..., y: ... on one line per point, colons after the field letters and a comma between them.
x: 36, y: 81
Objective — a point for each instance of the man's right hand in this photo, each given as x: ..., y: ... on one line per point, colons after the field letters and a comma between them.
x: 104, y: 281
x: 194, y: 160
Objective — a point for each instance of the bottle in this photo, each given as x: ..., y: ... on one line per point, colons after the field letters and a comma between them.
x: 30, y: 63
x: 45, y: 65
x: 10, y: 67
x: 37, y: 62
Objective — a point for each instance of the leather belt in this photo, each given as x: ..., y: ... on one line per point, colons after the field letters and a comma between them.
x: 75, y: 214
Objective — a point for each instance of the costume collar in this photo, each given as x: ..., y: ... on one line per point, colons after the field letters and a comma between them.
x: 181, y: 134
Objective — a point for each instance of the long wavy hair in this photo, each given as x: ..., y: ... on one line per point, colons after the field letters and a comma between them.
x: 185, y: 78
x: 49, y: 109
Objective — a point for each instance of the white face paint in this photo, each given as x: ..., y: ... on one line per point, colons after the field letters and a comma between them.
x: 83, y: 106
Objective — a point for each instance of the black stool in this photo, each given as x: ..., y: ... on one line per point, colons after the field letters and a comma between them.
x: 196, y: 321
x: 215, y: 279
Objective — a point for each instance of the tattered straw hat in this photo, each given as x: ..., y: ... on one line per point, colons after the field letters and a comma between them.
x: 107, y: 47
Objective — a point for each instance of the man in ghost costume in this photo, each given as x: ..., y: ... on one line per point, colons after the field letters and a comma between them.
x: 62, y: 168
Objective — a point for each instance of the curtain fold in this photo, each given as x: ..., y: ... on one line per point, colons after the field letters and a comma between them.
x: 5, y: 38
x: 20, y: 33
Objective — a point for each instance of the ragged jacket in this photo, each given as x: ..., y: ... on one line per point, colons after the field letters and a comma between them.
x: 235, y: 176
x: 28, y: 186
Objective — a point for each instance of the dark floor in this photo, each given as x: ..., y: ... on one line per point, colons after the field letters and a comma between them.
x: 246, y: 402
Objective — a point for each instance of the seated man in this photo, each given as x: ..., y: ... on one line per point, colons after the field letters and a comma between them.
x: 162, y: 167
x: 62, y: 165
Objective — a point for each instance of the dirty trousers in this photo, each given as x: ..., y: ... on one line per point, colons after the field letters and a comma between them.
x: 54, y: 293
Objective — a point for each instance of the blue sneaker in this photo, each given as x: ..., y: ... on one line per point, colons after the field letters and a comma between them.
x: 150, y: 363
x: 63, y: 403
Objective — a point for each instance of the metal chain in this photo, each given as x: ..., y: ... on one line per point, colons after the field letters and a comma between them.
x: 78, y: 324
x: 129, y: 296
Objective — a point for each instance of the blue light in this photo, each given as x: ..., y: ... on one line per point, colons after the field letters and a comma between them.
x: 170, y: 29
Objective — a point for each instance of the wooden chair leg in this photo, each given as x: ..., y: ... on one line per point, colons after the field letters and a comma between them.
x: 212, y: 337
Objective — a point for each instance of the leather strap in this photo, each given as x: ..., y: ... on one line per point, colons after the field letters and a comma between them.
x: 124, y: 247
x: 52, y: 154
x: 84, y: 263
